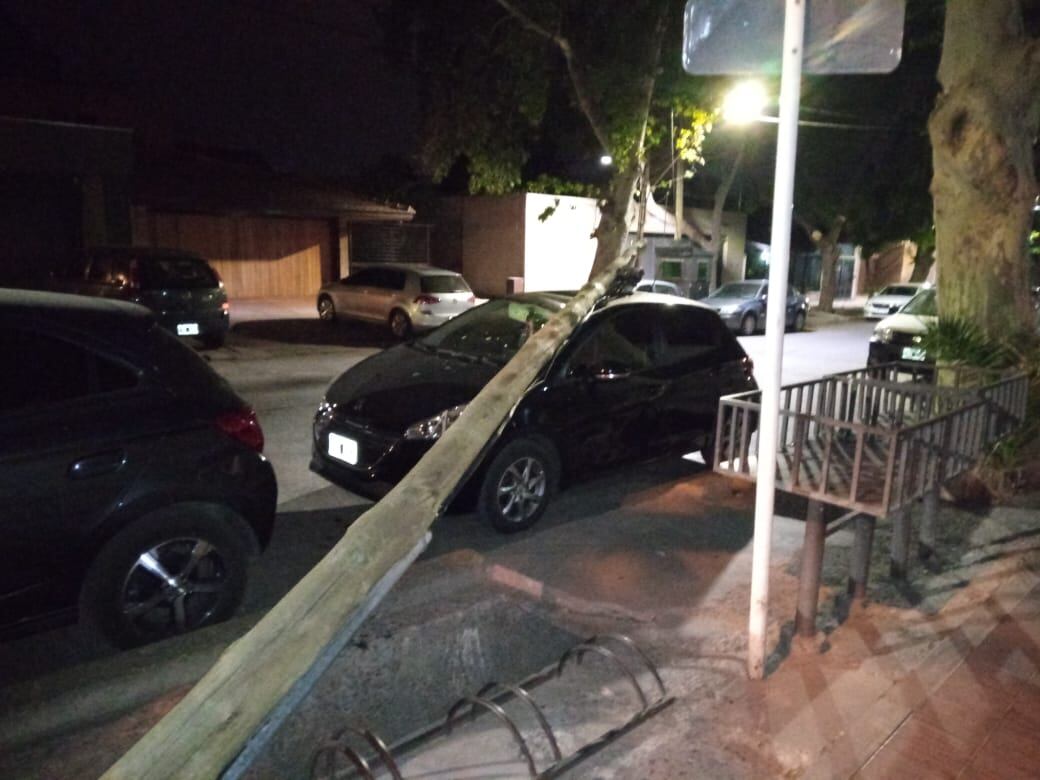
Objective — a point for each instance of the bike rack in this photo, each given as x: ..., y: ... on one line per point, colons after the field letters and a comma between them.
x: 338, y: 758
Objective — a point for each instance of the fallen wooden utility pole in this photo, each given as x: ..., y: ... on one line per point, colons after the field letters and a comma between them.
x: 204, y: 733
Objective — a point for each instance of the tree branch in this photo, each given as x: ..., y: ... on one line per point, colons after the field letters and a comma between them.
x: 720, y: 199
x: 585, y: 100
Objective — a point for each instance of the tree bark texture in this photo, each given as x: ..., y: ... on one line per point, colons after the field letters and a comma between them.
x: 982, y: 130
x: 613, y: 225
x: 211, y: 724
x: 827, y: 245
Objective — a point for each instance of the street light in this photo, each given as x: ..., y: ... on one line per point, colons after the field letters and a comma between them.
x: 743, y: 104
x: 606, y: 160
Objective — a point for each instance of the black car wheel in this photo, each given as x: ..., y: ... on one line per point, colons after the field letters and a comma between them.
x: 400, y: 325
x: 518, y: 484
x: 799, y: 321
x: 749, y: 324
x: 168, y: 573
x: 326, y: 309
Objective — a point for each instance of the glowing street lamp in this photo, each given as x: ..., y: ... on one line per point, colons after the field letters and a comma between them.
x: 743, y: 104
x: 606, y: 160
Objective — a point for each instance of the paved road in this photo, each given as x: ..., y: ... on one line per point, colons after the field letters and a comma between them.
x: 284, y: 366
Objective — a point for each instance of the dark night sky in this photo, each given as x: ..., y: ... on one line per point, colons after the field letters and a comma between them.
x: 303, y: 83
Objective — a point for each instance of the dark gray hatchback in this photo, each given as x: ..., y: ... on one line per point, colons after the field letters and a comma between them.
x: 131, y: 480
x: 181, y: 288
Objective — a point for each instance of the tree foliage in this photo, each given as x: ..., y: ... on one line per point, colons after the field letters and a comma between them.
x: 506, y: 102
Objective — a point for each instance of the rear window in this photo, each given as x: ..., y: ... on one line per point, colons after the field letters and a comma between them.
x: 443, y: 283
x: 176, y: 273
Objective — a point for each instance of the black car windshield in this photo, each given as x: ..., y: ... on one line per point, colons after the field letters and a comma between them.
x: 923, y: 305
x: 738, y: 290
x: 493, y: 331
x: 443, y: 283
x: 176, y: 273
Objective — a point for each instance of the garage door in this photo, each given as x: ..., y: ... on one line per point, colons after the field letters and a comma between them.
x: 258, y: 257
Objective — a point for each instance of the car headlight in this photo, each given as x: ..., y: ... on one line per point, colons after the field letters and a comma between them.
x: 431, y: 428
x: 725, y: 310
x: 883, y: 335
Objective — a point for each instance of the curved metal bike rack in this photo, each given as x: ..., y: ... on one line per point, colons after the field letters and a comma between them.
x: 489, y: 699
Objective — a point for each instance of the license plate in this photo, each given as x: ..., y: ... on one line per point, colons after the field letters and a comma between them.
x: 188, y: 329
x: 913, y: 353
x: 343, y: 448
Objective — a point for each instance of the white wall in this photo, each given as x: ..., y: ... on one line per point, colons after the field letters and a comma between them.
x: 559, y: 250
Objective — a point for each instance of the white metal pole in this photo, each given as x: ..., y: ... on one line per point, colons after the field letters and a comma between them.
x: 769, y: 378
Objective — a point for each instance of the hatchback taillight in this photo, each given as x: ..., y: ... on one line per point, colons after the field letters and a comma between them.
x: 242, y: 426
x: 426, y: 299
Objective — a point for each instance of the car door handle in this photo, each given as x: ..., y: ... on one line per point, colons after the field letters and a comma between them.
x: 97, y: 465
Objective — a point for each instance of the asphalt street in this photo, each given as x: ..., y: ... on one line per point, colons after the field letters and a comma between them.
x: 282, y: 365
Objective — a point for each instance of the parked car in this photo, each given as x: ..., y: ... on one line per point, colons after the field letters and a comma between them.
x: 405, y: 296
x: 898, y: 336
x: 131, y: 476
x: 638, y: 378
x: 890, y: 299
x: 181, y: 288
x: 658, y: 286
x: 742, y: 306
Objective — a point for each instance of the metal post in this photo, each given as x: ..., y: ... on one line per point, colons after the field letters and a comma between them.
x: 926, y: 534
x: 812, y: 569
x: 900, y: 555
x: 769, y: 378
x: 859, y: 570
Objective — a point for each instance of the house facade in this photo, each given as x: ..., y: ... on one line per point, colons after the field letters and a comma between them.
x: 535, y: 241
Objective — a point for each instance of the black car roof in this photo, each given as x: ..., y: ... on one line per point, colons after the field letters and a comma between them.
x: 100, y: 316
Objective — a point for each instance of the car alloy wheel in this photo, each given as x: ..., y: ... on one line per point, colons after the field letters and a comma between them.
x: 400, y: 325
x: 174, y: 587
x: 168, y: 572
x: 749, y: 325
x: 518, y: 484
x: 521, y: 490
x: 326, y: 309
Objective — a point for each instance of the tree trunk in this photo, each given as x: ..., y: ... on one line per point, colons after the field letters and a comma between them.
x: 613, y: 220
x: 829, y: 254
x: 982, y: 132
x: 922, y: 265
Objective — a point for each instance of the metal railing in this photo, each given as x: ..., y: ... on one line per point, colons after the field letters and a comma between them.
x: 875, y: 439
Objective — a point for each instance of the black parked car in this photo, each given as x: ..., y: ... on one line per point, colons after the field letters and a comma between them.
x: 640, y: 377
x: 131, y: 480
x: 182, y: 289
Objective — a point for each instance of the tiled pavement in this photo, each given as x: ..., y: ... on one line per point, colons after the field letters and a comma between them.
x: 983, y: 720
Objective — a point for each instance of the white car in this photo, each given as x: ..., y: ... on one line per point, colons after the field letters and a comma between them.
x: 657, y: 286
x: 405, y: 296
x: 898, y: 337
x: 890, y: 299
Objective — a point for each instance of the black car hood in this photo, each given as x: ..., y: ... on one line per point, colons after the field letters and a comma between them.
x: 403, y: 385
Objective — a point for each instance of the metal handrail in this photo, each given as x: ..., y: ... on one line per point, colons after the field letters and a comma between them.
x: 844, y: 438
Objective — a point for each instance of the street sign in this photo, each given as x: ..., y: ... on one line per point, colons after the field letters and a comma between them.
x: 744, y: 37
